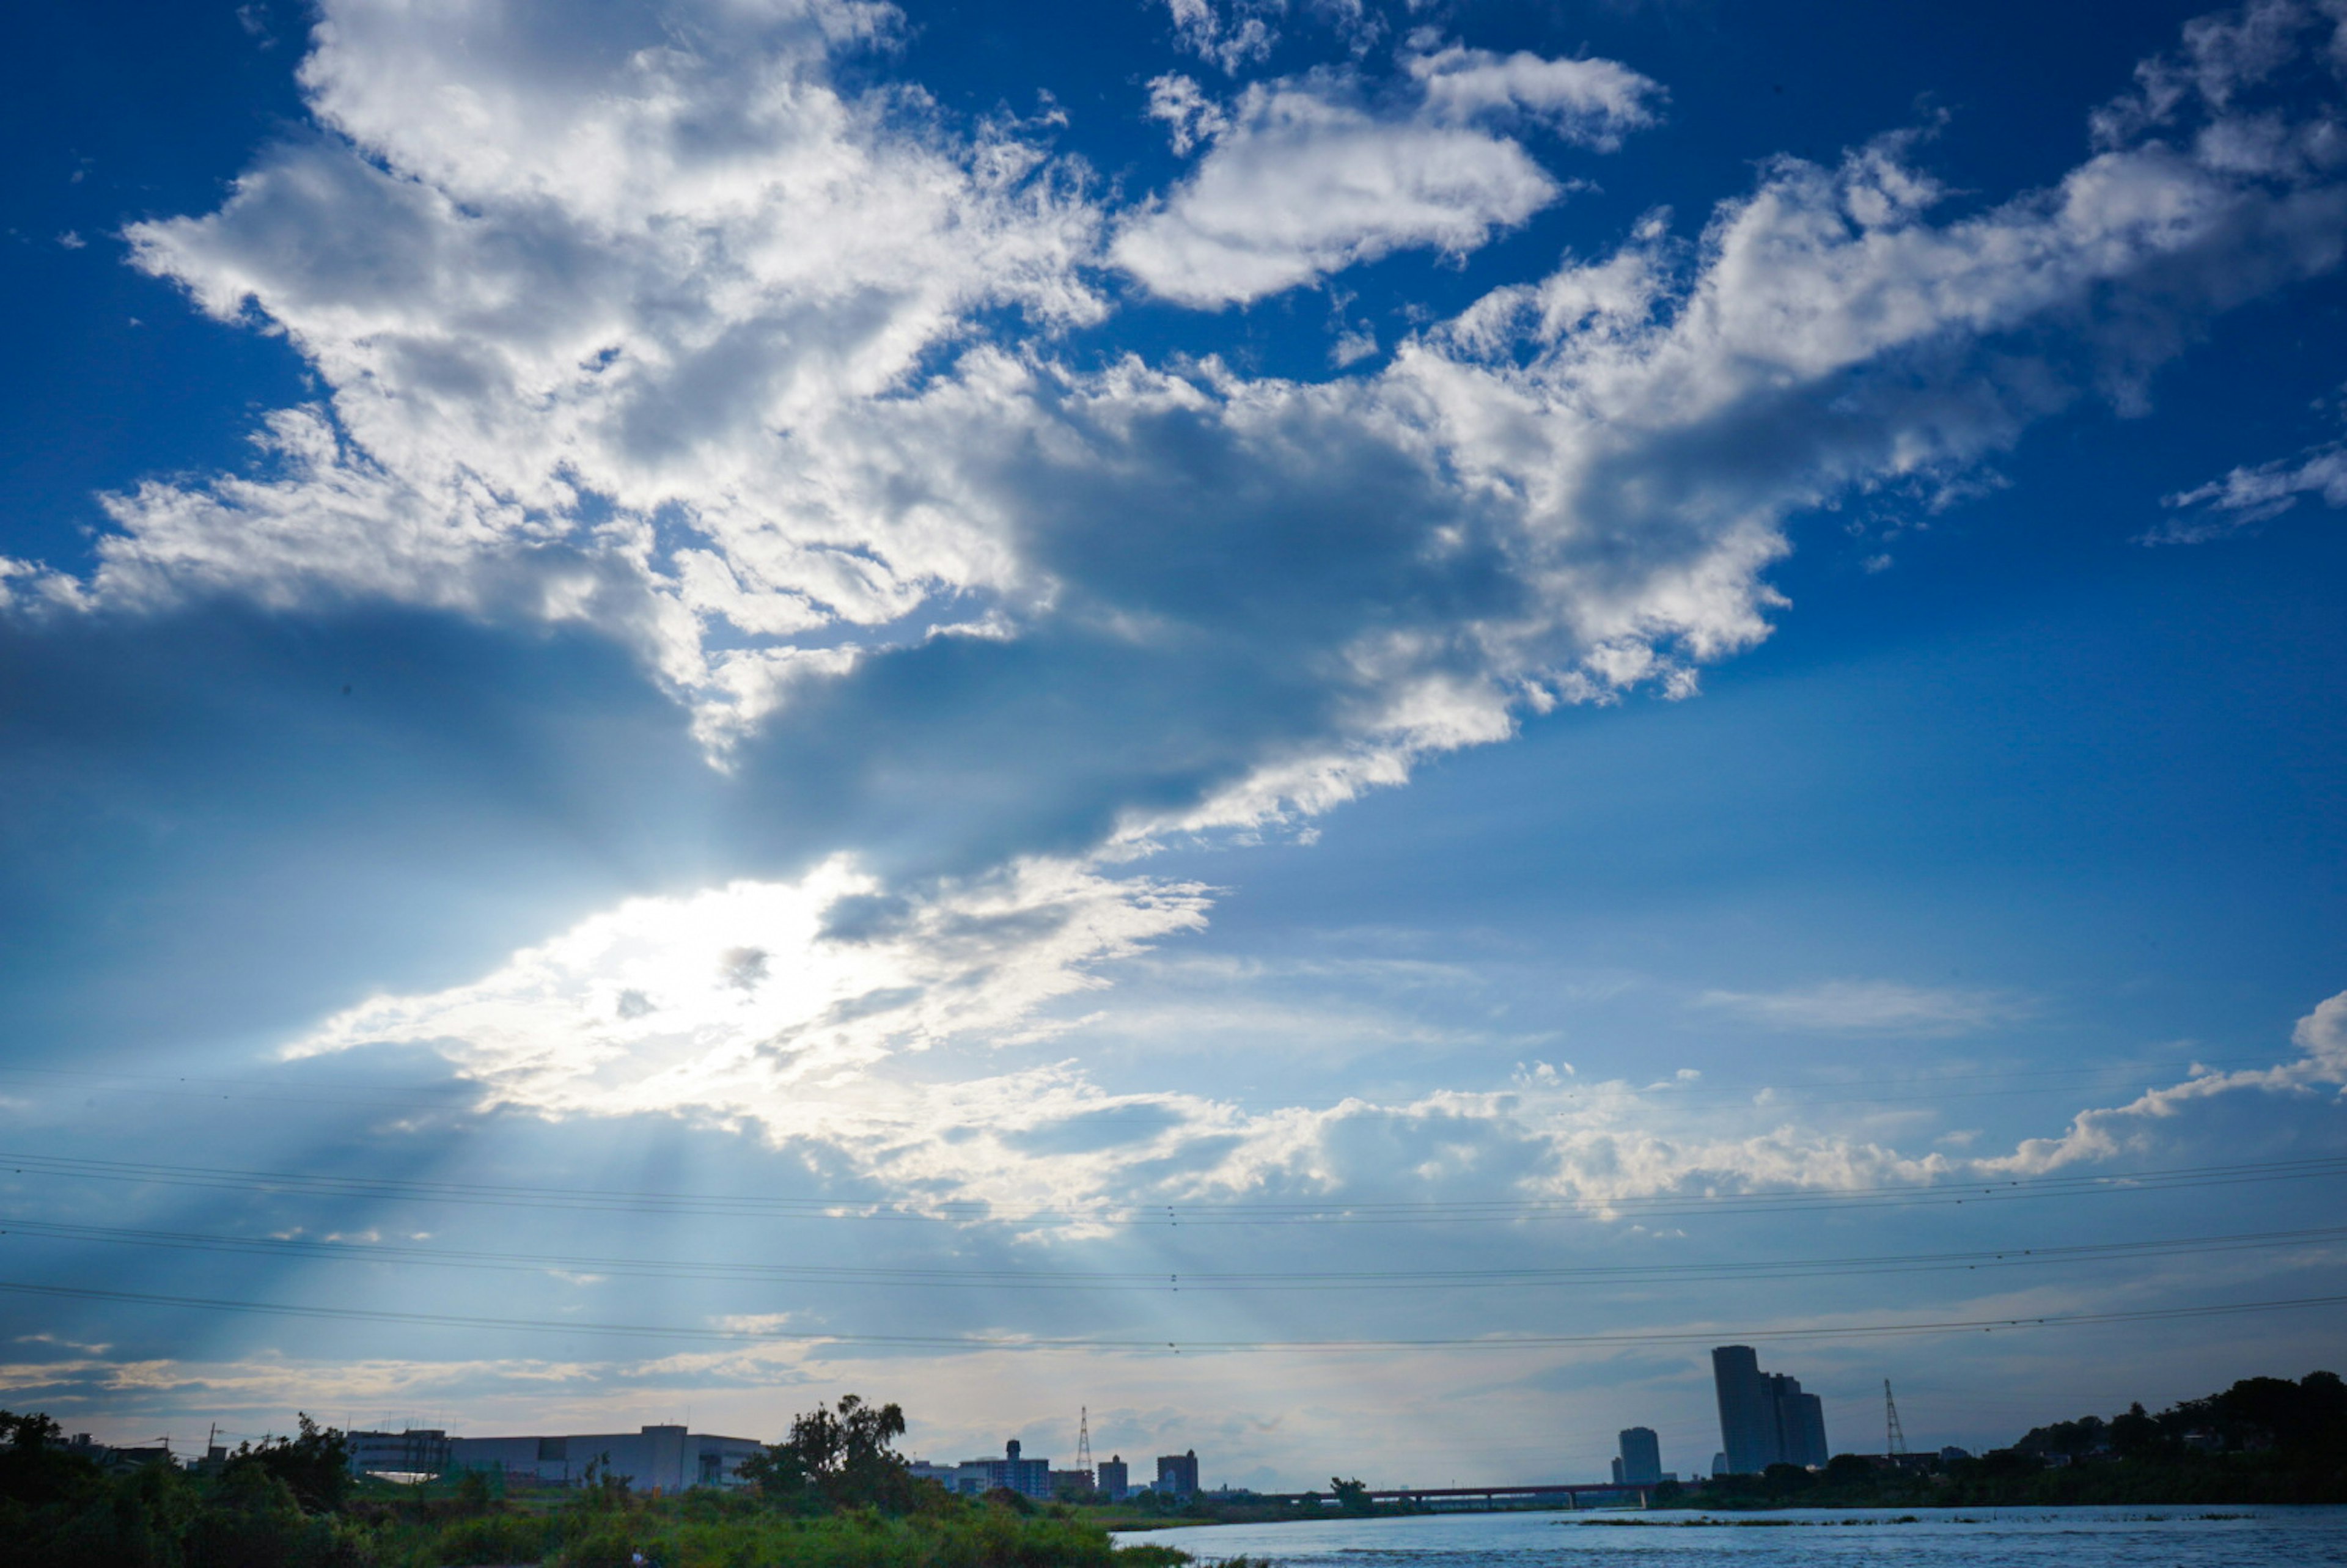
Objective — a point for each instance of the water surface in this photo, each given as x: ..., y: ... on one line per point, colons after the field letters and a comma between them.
x: 2197, y: 1537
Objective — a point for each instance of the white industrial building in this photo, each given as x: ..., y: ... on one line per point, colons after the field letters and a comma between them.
x: 658, y: 1460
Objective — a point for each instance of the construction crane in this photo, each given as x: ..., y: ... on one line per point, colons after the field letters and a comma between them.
x: 1892, y: 1435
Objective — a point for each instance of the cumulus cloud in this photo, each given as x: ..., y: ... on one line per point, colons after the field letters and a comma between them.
x: 1307, y: 174
x: 1590, y: 101
x: 2105, y: 1133
x: 573, y: 282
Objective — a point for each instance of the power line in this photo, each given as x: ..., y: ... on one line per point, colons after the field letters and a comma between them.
x: 1182, y: 1347
x: 380, y: 1253
x: 1258, y: 1211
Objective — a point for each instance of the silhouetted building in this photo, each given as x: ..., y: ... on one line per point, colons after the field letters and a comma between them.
x: 1113, y: 1481
x: 1800, y: 1423
x: 1177, y: 1474
x: 1764, y: 1417
x: 1748, y: 1423
x: 115, y: 1459
x: 418, y: 1450
x: 1641, y: 1463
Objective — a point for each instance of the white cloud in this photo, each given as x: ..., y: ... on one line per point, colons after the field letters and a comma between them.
x: 1191, y: 116
x: 1590, y: 101
x: 1232, y: 33
x: 1872, y: 1007
x: 555, y: 272
x: 2106, y: 1132
x: 2247, y: 496
x: 1306, y: 176
x: 739, y: 997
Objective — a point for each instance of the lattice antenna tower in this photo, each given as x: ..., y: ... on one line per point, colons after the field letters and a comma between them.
x: 1083, y: 1439
x: 1892, y: 1434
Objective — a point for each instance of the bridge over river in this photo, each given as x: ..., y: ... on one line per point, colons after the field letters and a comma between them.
x: 1569, y: 1493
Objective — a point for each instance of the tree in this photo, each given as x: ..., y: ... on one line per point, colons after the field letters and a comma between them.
x: 34, y: 1467
x: 1352, y: 1496
x: 1850, y: 1470
x: 315, y: 1466
x: 2135, y: 1435
x: 847, y: 1460
x: 2077, y: 1439
x: 2296, y: 1418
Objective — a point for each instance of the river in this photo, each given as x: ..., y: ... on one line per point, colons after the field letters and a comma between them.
x: 2145, y: 1537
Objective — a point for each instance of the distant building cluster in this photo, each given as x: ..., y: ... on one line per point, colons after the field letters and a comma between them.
x: 663, y: 1460
x: 1177, y: 1476
x: 1764, y: 1417
x: 977, y: 1477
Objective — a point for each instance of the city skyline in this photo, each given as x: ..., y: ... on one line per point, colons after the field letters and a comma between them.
x: 1334, y: 726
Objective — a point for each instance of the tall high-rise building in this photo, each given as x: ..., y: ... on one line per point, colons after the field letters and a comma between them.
x: 1804, y: 1416
x: 1747, y: 1413
x: 1764, y: 1417
x: 1642, y: 1457
x: 1113, y: 1481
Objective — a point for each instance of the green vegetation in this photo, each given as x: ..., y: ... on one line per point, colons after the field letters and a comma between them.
x: 833, y: 1494
x: 2264, y: 1440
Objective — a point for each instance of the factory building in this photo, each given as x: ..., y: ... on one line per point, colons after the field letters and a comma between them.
x: 661, y: 1459
x: 418, y: 1450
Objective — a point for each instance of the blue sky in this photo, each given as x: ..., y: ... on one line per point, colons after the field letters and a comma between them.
x: 1286, y: 674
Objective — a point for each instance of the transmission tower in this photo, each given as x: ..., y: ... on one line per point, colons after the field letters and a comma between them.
x: 1892, y: 1435
x: 1083, y: 1440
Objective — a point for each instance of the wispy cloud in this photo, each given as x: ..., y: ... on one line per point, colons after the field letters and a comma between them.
x: 1876, y: 1007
